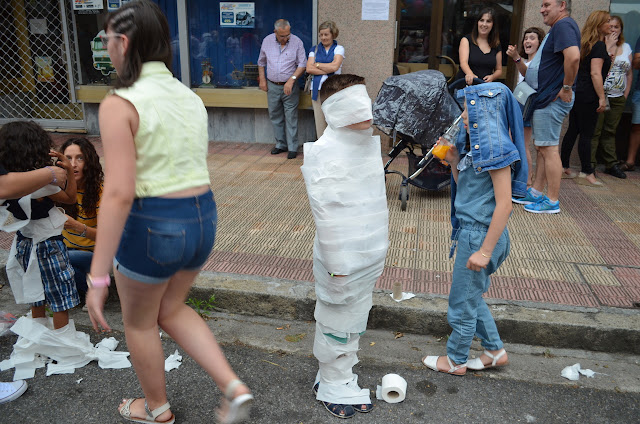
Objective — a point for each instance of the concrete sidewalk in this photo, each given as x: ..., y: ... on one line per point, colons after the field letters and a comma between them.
x: 571, y: 280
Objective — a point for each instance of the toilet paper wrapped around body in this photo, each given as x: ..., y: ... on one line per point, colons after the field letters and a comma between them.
x: 344, y: 176
x: 393, y: 389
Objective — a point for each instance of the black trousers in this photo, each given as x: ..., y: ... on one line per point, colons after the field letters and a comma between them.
x: 582, y: 121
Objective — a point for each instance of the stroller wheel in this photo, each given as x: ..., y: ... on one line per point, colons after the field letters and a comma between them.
x: 404, y: 196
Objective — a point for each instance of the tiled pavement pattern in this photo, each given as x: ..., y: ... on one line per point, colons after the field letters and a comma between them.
x: 588, y: 255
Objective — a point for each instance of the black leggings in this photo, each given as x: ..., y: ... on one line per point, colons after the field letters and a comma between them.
x: 582, y: 120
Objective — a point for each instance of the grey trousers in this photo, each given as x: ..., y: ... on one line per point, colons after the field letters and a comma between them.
x: 283, y: 113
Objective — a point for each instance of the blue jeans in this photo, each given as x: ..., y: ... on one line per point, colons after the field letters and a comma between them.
x: 163, y: 236
x: 81, y: 262
x: 283, y: 113
x: 468, y: 313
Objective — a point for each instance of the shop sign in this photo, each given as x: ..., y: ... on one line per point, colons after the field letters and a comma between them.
x: 237, y: 15
x: 116, y: 4
x: 87, y: 5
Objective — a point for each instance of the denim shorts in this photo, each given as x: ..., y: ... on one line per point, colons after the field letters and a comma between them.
x: 635, y: 99
x: 163, y: 236
x: 547, y: 122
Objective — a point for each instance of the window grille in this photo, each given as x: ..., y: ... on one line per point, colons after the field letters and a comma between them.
x: 38, y: 63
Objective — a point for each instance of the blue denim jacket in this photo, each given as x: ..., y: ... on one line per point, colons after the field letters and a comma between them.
x: 496, y: 135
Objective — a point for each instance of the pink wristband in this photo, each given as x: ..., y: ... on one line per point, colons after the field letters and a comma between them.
x: 98, y: 282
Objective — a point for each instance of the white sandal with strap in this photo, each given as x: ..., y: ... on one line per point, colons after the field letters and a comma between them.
x: 432, y: 363
x: 477, y: 365
x: 239, y: 408
x: 125, y: 412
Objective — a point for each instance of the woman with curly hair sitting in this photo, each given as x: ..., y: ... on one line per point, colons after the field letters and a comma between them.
x: 82, y: 217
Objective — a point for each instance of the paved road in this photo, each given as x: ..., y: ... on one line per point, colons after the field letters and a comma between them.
x: 281, y: 371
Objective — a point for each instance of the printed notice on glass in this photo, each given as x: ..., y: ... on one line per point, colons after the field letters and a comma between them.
x: 237, y: 15
x: 116, y: 4
x: 87, y: 5
x: 375, y: 10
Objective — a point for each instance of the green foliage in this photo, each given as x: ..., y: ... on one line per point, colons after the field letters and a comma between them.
x: 202, y: 307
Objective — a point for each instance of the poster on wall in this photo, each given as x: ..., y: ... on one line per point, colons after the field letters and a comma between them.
x: 116, y: 4
x: 237, y: 15
x: 375, y: 10
x: 87, y: 5
x: 44, y: 68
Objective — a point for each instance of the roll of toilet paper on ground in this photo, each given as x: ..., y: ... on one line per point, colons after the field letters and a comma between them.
x: 393, y: 389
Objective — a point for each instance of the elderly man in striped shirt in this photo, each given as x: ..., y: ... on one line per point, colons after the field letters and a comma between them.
x: 284, y: 56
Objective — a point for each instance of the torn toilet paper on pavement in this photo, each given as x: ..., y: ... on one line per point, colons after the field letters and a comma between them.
x: 405, y: 296
x: 173, y: 361
x: 573, y: 372
x: 62, y: 350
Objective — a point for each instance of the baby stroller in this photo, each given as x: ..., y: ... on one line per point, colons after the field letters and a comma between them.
x: 415, y: 109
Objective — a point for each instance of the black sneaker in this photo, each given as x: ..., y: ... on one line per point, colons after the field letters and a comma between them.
x: 276, y: 151
x: 616, y: 172
x: 292, y: 155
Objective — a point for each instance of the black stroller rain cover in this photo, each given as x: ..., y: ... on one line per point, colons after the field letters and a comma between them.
x: 417, y: 105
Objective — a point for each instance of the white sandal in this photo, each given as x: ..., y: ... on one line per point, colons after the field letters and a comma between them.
x: 477, y: 365
x: 432, y: 363
x: 239, y: 407
x: 125, y: 412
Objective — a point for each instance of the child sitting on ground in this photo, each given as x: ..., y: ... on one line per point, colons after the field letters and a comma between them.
x: 345, y: 183
x: 482, y: 170
x: 38, y: 266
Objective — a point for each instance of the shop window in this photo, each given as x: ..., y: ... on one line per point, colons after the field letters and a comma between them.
x: 94, y: 61
x: 226, y: 55
x: 435, y: 28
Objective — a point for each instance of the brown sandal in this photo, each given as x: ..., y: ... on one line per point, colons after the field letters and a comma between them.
x: 625, y: 166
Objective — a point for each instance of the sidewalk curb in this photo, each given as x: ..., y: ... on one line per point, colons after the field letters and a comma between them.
x: 604, y: 330
x: 610, y: 330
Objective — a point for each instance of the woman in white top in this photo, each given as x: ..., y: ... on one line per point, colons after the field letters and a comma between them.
x: 528, y: 48
x: 325, y: 59
x: 617, y: 87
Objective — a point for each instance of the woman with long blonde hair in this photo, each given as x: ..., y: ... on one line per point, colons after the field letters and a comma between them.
x: 590, y: 97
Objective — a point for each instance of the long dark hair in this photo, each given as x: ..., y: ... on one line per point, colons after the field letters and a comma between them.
x: 147, y: 29
x: 92, y: 175
x: 24, y: 146
x: 493, y: 38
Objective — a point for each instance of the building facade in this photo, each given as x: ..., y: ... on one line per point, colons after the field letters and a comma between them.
x: 54, y: 70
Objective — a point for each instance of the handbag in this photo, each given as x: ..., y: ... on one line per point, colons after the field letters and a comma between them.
x: 309, y: 78
x: 526, y: 96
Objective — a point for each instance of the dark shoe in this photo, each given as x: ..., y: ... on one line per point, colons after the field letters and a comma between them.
x: 292, y: 155
x: 627, y: 166
x: 340, y: 411
x: 276, y: 151
x: 616, y: 172
x: 364, y: 408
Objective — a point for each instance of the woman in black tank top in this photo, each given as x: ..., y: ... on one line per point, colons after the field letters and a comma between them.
x: 480, y: 53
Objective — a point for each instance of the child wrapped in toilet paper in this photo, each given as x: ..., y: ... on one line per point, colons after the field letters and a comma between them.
x: 345, y: 183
